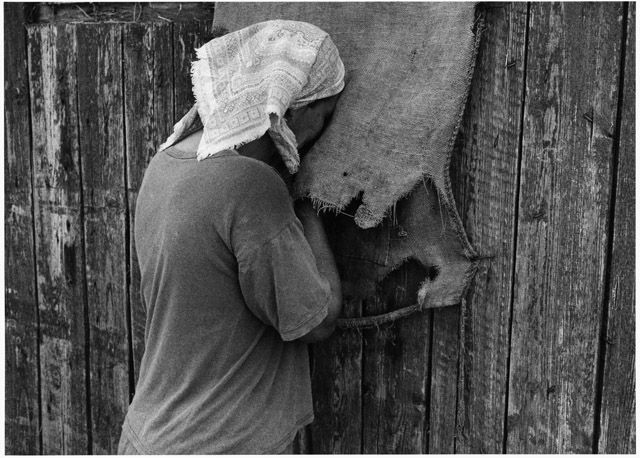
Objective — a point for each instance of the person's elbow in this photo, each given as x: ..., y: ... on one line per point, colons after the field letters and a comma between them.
x: 328, y: 325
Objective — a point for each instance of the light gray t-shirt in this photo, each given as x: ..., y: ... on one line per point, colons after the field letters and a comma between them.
x: 229, y: 282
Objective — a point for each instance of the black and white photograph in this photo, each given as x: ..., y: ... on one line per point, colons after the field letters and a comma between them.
x: 366, y: 228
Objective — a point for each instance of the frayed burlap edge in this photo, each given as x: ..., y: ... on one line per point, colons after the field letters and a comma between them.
x: 449, y: 201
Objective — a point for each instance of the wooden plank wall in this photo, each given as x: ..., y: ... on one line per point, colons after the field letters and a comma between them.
x: 540, y: 356
x: 83, y: 124
x: 486, y: 171
x: 60, y: 245
x: 562, y: 235
x: 22, y: 374
x: 617, y: 427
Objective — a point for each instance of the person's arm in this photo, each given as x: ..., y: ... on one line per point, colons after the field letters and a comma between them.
x: 317, y: 238
x: 278, y: 272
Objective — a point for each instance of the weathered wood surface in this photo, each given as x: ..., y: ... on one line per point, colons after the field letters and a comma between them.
x: 485, y: 170
x: 443, y: 393
x: 22, y: 417
x: 100, y: 113
x: 148, y: 118
x: 336, y: 387
x: 113, y: 12
x: 565, y: 185
x: 395, y: 368
x: 390, y: 390
x: 336, y: 375
x: 186, y: 38
x: 59, y: 238
x: 617, y: 418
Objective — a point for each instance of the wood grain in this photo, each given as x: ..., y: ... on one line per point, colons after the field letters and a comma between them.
x: 186, y: 38
x: 123, y: 12
x: 484, y: 173
x: 22, y: 417
x: 618, y: 413
x: 370, y: 393
x: 336, y: 373
x: 395, y: 368
x: 59, y: 239
x: 444, y: 380
x: 570, y: 110
x: 101, y: 139
x: 148, y: 83
x: 336, y: 388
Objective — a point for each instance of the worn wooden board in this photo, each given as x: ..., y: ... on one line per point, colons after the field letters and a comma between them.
x: 561, y: 234
x: 336, y: 387
x: 336, y: 373
x: 148, y: 83
x: 444, y: 380
x: 122, y: 11
x: 618, y: 413
x: 395, y: 368
x: 59, y: 238
x: 484, y: 172
x: 186, y: 38
x: 100, y: 113
x: 570, y: 110
x: 22, y: 416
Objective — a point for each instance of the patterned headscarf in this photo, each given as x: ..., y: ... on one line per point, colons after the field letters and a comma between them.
x: 245, y: 81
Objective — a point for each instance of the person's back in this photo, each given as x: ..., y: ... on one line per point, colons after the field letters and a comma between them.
x: 234, y: 280
x: 229, y: 283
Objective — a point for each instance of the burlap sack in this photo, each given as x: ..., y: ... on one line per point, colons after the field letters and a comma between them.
x: 408, y: 72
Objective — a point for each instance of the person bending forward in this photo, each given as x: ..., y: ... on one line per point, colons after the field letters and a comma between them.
x: 235, y: 281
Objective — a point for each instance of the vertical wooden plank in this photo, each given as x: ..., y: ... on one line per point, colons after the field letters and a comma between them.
x: 618, y: 413
x: 22, y: 422
x: 336, y: 368
x: 444, y: 380
x: 395, y: 368
x: 187, y: 36
x: 104, y: 201
x: 336, y: 387
x: 570, y: 110
x: 60, y: 259
x: 484, y: 172
x: 148, y: 83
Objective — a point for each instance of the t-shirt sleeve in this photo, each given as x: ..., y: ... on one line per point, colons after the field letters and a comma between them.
x: 281, y: 284
x: 277, y: 270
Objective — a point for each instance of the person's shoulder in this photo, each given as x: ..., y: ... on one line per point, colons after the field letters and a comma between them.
x: 258, y: 201
x: 251, y: 176
x: 244, y: 165
x: 244, y: 185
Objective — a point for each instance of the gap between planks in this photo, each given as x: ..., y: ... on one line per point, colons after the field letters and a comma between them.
x: 602, y: 344
x: 515, y: 228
